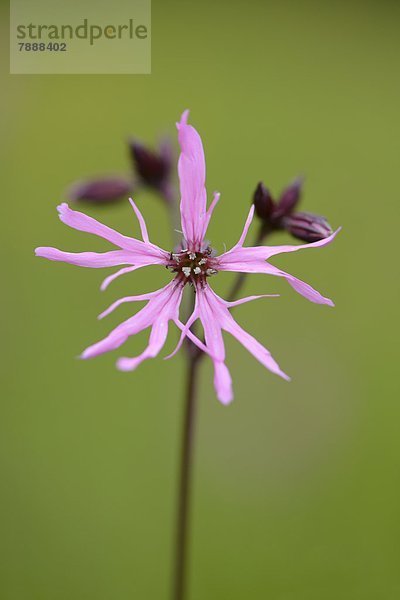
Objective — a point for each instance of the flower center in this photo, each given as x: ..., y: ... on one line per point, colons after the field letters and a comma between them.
x: 193, y: 266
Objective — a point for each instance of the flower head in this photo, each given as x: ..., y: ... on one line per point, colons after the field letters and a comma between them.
x: 307, y: 226
x: 153, y: 168
x: 193, y: 263
x: 281, y: 214
x: 101, y: 190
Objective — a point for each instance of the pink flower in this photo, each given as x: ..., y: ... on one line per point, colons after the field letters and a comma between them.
x: 194, y: 263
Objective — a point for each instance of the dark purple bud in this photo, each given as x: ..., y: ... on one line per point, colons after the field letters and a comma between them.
x: 307, y: 227
x: 153, y: 168
x: 101, y: 191
x: 289, y: 199
x: 263, y: 202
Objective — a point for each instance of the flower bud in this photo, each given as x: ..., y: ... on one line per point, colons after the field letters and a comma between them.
x: 307, y: 226
x: 263, y: 202
x: 101, y: 191
x: 153, y: 168
x: 289, y: 199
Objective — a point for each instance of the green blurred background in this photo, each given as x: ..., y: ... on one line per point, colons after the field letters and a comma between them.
x: 297, y: 489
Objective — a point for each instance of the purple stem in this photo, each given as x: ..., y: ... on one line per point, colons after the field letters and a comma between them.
x: 185, y: 476
x: 184, y: 491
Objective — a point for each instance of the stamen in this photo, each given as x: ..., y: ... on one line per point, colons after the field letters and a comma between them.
x: 194, y: 267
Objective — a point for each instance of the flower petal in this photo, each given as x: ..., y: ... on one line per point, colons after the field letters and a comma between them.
x: 185, y: 329
x: 162, y: 306
x: 186, y: 332
x: 258, y: 266
x: 240, y: 254
x: 140, y: 261
x: 252, y: 260
x: 215, y: 317
x: 214, y: 346
x: 82, y: 222
x: 223, y: 382
x: 221, y: 319
x: 106, y: 282
x: 192, y: 175
x: 114, y: 305
x: 301, y: 287
x: 210, y: 211
x: 157, y: 340
x: 246, y: 228
x: 95, y: 260
x: 211, y: 323
x: 254, y: 347
x: 248, y: 299
x: 142, y: 222
x: 121, y: 333
x: 159, y: 329
x: 134, y: 252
